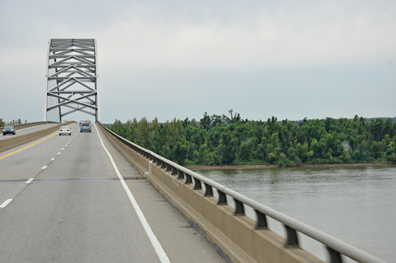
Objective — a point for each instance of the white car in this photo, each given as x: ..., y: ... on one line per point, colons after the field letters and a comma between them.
x: 64, y: 130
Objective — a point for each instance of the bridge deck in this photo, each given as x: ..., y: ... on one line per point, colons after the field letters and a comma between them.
x: 76, y: 210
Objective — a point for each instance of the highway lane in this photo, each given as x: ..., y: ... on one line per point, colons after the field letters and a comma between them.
x: 27, y: 130
x: 75, y: 209
x: 21, y: 166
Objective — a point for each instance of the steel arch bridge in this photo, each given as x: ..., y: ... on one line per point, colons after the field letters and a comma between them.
x: 72, y: 78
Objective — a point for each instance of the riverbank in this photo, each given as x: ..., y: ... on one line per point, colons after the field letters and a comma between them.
x: 271, y: 166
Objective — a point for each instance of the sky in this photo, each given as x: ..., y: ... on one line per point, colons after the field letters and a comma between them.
x: 177, y: 59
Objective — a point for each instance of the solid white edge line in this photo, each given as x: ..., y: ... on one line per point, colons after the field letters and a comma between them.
x: 29, y: 181
x: 6, y: 202
x: 154, y: 241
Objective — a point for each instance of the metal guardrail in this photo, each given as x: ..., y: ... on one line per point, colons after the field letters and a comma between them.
x: 334, y: 246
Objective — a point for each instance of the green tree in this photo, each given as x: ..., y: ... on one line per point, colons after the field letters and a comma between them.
x: 180, y: 151
x: 205, y: 122
x: 247, y: 148
x: 376, y: 149
x: 273, y: 149
x: 391, y: 152
x: 221, y: 139
x: 228, y: 148
x: 205, y: 156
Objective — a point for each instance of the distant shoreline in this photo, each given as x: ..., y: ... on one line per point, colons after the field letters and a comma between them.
x: 271, y: 166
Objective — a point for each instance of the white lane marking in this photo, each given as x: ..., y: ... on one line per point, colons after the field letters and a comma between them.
x: 6, y: 202
x: 154, y: 241
x: 63, y: 149
x: 29, y: 181
x: 52, y: 159
x: 58, y: 152
x: 44, y: 167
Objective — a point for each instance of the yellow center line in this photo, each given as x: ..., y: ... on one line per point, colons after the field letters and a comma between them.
x: 31, y: 144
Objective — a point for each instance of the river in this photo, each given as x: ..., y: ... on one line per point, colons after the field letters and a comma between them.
x: 356, y: 205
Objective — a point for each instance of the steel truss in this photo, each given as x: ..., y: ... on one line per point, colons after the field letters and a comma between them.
x: 72, y: 77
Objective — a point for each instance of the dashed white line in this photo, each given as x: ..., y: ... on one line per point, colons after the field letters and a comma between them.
x: 58, y: 152
x: 52, y: 159
x: 6, y: 202
x: 29, y: 181
x: 63, y: 149
x: 44, y: 167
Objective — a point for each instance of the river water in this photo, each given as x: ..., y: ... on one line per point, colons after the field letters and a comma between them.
x: 356, y: 205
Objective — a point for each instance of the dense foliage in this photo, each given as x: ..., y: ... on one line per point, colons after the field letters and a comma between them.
x: 13, y: 122
x: 220, y: 140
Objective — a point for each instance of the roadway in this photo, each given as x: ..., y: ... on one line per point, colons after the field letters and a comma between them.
x: 27, y: 130
x: 61, y: 200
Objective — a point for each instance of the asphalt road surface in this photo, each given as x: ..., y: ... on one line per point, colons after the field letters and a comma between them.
x: 61, y: 200
x: 27, y: 130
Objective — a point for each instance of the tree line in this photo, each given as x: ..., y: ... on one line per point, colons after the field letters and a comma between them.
x: 224, y: 140
x: 12, y: 122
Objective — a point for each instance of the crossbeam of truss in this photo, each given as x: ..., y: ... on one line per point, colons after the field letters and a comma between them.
x: 72, y: 78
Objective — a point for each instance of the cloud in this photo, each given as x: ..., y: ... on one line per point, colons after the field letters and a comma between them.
x: 322, y: 35
x: 290, y: 59
x: 224, y: 34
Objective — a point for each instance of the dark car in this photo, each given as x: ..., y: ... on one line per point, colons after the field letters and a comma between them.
x: 9, y: 129
x: 85, y: 127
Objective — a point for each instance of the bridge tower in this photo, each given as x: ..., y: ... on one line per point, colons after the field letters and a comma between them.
x: 72, y: 78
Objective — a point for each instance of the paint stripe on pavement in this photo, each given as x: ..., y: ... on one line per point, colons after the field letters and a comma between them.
x: 5, y: 203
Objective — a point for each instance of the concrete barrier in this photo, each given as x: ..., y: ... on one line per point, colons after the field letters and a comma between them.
x: 16, y: 141
x: 235, y: 236
x: 28, y: 125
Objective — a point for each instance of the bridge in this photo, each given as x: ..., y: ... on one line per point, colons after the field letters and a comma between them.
x: 96, y: 197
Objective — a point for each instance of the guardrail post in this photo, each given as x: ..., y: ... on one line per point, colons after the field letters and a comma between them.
x: 261, y: 221
x: 208, y: 190
x: 197, y: 185
x: 188, y: 179
x: 163, y: 165
x: 291, y: 237
x: 174, y: 171
x: 335, y: 256
x: 222, y: 198
x: 181, y: 175
x: 239, y: 208
x: 168, y: 168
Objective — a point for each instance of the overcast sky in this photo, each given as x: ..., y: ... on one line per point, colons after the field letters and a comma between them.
x: 166, y: 59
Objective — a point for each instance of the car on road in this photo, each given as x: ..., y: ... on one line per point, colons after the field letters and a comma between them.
x: 85, y: 127
x: 9, y: 129
x: 65, y: 130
